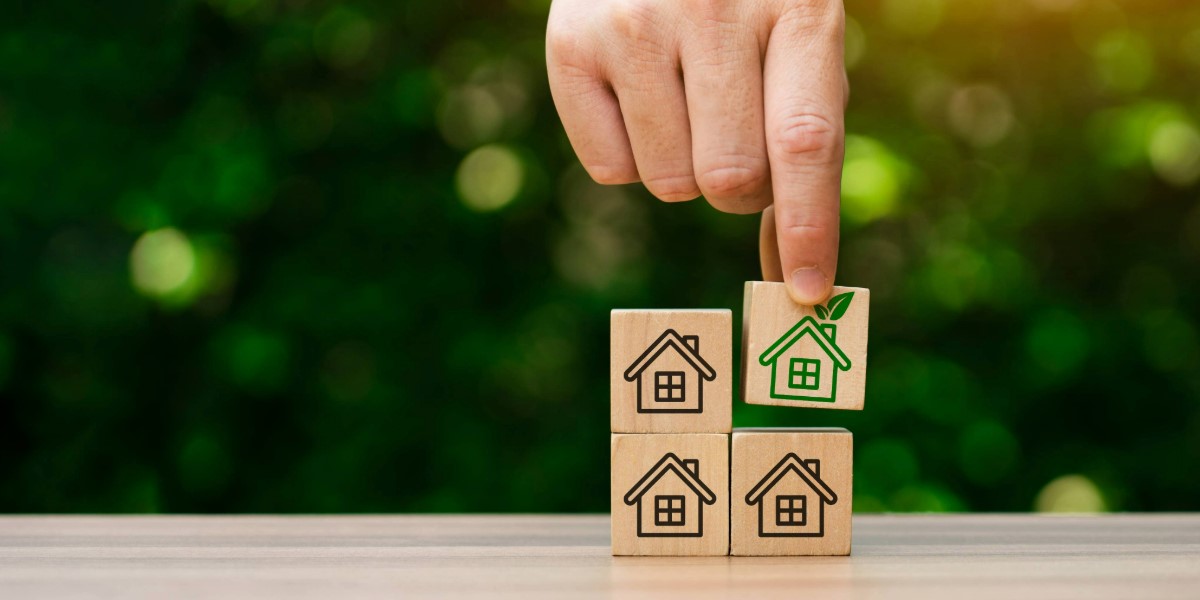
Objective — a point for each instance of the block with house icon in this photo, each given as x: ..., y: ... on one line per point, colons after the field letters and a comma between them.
x: 671, y: 371
x: 670, y: 494
x: 790, y: 492
x: 813, y: 356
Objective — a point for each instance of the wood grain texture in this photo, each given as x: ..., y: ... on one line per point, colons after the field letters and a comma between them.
x: 689, y: 469
x: 779, y: 337
x: 693, y: 346
x: 791, y: 492
x: 387, y: 557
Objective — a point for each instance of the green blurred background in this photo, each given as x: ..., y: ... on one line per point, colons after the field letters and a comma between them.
x: 296, y: 255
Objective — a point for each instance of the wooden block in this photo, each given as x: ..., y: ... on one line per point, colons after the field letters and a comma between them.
x: 813, y: 356
x: 791, y: 492
x: 672, y: 371
x: 670, y: 494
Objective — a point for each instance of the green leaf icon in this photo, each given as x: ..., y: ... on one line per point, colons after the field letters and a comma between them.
x: 839, y: 304
x: 822, y: 312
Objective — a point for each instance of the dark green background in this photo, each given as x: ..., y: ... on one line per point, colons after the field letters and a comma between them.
x: 342, y: 322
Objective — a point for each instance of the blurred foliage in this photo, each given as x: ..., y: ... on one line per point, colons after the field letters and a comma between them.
x: 294, y: 255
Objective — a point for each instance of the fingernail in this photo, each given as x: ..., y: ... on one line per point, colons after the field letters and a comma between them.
x: 809, y: 285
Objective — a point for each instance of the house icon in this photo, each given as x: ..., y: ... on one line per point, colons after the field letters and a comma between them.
x: 675, y: 384
x: 676, y: 506
x: 805, y: 362
x: 792, y: 506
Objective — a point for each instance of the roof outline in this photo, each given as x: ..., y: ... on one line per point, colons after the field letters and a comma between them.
x: 807, y: 325
x: 791, y: 462
x: 670, y: 338
x: 669, y: 462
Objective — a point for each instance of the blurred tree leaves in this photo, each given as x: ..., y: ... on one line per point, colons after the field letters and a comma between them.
x: 379, y: 281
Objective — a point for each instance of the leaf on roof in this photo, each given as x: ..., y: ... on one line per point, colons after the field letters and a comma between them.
x: 839, y: 304
x: 822, y: 312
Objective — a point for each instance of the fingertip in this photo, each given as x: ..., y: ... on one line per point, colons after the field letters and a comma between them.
x: 613, y: 175
x: 809, y: 285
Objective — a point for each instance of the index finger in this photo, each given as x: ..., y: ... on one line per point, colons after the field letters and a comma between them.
x: 804, y: 100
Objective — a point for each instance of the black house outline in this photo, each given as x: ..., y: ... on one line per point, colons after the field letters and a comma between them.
x: 671, y: 463
x: 671, y: 339
x: 793, y: 463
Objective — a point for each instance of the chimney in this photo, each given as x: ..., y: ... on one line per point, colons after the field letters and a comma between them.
x: 693, y: 342
x: 692, y: 465
x: 814, y: 465
x: 830, y: 330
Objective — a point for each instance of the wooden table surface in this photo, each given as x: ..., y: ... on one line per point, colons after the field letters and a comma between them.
x: 992, y: 556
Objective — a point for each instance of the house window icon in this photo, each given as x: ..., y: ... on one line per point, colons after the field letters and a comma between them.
x: 791, y: 511
x: 804, y: 374
x: 670, y: 375
x: 669, y: 510
x: 669, y: 386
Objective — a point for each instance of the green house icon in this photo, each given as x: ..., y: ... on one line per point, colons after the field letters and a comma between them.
x: 805, y: 362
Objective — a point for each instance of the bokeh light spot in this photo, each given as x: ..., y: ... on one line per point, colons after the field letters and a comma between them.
x: 1174, y: 151
x: 1070, y: 494
x: 162, y: 262
x: 1123, y: 136
x: 603, y: 241
x: 470, y: 115
x: 981, y: 114
x: 872, y: 179
x: 489, y: 178
x: 957, y: 275
x: 1124, y: 61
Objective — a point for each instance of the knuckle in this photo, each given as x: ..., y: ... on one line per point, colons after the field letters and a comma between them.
x: 807, y: 224
x: 732, y: 181
x: 808, y: 138
x: 634, y: 19
x: 562, y: 44
x: 802, y: 227
x: 567, y: 34
x: 673, y: 188
x: 803, y: 231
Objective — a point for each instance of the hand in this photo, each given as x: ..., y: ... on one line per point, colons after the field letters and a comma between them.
x: 739, y: 100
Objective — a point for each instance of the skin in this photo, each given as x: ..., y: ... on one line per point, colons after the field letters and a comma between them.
x: 741, y: 101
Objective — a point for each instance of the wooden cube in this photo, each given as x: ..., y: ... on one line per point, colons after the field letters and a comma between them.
x: 672, y: 371
x: 670, y: 494
x: 813, y: 356
x: 790, y: 492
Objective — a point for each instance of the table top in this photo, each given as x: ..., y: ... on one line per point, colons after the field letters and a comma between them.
x: 531, y: 556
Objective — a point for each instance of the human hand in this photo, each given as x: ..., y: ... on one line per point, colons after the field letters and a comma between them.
x: 739, y: 100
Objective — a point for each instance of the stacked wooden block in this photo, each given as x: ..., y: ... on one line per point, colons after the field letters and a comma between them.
x: 684, y: 482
